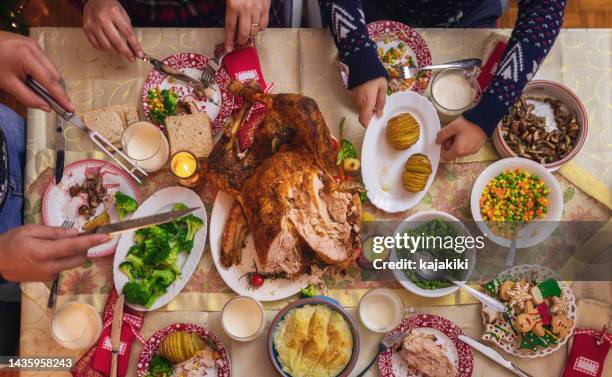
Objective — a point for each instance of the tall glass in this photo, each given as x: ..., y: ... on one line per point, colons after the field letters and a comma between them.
x: 76, y: 325
x: 147, y: 145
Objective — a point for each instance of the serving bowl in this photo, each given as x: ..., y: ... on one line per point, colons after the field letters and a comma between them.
x: 535, y: 231
x: 546, y: 88
x: 318, y: 300
x: 418, y: 219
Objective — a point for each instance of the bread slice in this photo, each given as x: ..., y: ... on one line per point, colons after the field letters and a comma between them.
x: 191, y: 133
x: 111, y: 121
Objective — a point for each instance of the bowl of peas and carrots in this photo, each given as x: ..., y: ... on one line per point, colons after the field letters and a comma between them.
x: 516, y: 195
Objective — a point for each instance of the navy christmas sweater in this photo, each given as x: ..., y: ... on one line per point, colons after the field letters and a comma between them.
x: 534, y: 33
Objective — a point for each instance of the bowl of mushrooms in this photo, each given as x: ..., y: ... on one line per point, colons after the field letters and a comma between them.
x: 548, y: 125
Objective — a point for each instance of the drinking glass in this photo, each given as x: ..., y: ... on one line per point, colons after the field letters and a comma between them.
x: 147, y: 145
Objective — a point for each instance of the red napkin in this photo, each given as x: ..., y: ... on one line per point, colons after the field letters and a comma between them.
x: 243, y: 65
x: 487, y: 70
x: 586, y: 359
x: 97, y: 361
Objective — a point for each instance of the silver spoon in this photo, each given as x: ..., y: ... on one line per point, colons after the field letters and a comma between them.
x: 409, y: 72
x: 485, y: 299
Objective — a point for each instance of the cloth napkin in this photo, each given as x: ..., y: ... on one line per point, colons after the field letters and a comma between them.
x: 243, y: 65
x: 97, y: 361
x: 495, y: 45
x: 588, y: 354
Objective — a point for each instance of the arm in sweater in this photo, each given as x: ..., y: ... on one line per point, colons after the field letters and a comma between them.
x: 535, y: 31
x: 347, y: 25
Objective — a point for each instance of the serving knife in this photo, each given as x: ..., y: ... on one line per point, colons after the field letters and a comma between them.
x: 493, y: 355
x: 116, y: 334
x: 141, y: 222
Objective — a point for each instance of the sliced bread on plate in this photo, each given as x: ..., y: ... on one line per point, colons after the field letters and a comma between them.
x: 111, y: 121
x: 192, y: 132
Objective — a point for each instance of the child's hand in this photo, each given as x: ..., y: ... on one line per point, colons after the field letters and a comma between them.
x: 460, y: 138
x: 370, y: 97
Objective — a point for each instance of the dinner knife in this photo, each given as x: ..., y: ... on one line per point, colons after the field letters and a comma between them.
x: 60, y: 145
x: 166, y: 69
x: 116, y: 334
x: 141, y: 222
x: 493, y: 355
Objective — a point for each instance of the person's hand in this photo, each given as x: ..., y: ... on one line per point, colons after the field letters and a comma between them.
x: 460, y: 138
x: 108, y: 27
x: 39, y: 253
x: 244, y: 19
x: 21, y: 57
x: 370, y: 97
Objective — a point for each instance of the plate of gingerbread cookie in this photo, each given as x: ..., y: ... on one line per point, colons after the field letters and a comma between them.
x: 541, y: 311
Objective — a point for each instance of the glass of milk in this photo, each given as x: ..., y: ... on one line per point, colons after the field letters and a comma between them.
x: 381, y: 310
x: 76, y: 325
x: 453, y: 91
x: 147, y: 145
x: 242, y: 318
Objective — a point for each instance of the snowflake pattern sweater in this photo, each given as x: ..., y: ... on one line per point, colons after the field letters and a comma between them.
x: 535, y: 31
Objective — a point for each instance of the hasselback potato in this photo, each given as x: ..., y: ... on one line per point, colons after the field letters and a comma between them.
x: 403, y: 131
x: 416, y: 172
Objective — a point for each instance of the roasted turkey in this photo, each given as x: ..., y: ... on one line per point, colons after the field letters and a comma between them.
x: 284, y: 188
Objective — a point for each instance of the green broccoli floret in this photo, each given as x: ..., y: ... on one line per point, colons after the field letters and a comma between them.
x: 130, y: 270
x: 141, y: 235
x: 170, y: 100
x: 309, y: 291
x: 125, y: 204
x: 180, y: 206
x: 158, y: 233
x: 136, y: 261
x: 137, y: 292
x: 193, y: 225
x: 163, y: 277
x: 159, y: 367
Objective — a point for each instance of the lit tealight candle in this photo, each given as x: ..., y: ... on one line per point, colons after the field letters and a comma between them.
x: 184, y: 165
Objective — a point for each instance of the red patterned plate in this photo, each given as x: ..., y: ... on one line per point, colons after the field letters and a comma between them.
x: 57, y: 205
x: 149, y: 349
x: 219, y: 109
x: 390, y: 33
x: 391, y: 363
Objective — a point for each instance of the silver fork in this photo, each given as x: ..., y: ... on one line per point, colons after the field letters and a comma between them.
x: 407, y: 72
x: 209, y: 71
x: 53, y: 294
x: 388, y: 341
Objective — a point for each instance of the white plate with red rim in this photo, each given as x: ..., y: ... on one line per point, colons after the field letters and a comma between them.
x: 389, y: 34
x: 382, y: 166
x: 234, y: 277
x: 57, y: 205
x: 151, y: 347
x: 391, y: 364
x: 191, y: 63
x: 160, y: 202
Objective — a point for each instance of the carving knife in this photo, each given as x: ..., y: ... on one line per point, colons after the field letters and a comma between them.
x: 142, y: 222
x: 116, y: 334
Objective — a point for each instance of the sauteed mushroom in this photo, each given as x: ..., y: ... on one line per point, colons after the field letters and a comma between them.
x: 525, y: 133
